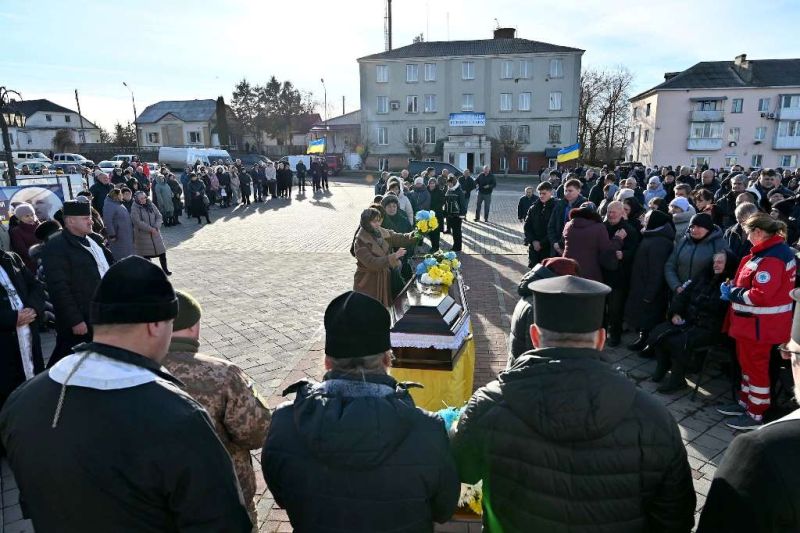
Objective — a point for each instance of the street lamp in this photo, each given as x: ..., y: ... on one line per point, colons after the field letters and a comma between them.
x: 135, y: 128
x: 8, y: 116
x: 325, y: 91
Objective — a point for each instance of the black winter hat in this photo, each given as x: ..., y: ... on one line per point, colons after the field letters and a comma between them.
x: 702, y: 220
x: 46, y: 229
x: 76, y: 209
x: 133, y: 291
x: 356, y: 325
x: 657, y: 218
x: 785, y: 207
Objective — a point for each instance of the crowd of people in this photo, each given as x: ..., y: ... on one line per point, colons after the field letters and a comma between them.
x: 694, y: 259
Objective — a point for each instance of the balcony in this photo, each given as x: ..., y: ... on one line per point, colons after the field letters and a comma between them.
x: 787, y: 143
x: 707, y: 116
x: 788, y: 113
x: 704, y: 144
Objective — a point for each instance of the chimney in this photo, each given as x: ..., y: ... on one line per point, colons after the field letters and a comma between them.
x: 505, y: 33
x: 743, y: 68
x: 669, y: 75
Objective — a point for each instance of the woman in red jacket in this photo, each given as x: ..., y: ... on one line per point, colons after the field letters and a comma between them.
x: 760, y: 315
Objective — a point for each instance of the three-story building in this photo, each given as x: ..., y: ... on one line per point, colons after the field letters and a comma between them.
x: 449, y: 99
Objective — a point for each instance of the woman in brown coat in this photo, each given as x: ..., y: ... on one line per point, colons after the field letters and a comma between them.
x: 586, y: 241
x: 372, y: 247
x: 147, y: 240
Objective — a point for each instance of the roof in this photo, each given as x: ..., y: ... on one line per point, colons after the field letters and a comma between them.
x: 303, y: 123
x: 481, y: 47
x: 351, y: 119
x: 185, y: 110
x: 29, y: 107
x: 724, y: 75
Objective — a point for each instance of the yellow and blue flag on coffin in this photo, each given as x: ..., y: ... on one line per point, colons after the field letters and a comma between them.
x: 569, y: 152
x: 316, y: 147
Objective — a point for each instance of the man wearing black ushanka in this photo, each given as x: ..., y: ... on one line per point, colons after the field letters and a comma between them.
x: 106, y: 440
x: 563, y: 441
x: 353, y: 453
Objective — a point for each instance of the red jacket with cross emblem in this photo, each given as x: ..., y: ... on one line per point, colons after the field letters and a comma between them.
x: 761, y: 304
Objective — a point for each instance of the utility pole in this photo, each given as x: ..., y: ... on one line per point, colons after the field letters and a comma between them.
x: 325, y: 92
x: 81, y: 134
x: 135, y: 127
x: 342, y: 104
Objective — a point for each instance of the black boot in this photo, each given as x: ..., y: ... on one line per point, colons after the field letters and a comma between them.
x: 613, y: 338
x: 677, y: 379
x: 661, y: 367
x: 640, y: 343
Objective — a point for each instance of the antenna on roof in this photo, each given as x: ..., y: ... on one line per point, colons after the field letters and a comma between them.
x: 498, y: 24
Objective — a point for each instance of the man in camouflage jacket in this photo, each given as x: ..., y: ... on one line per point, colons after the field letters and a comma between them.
x: 240, y: 415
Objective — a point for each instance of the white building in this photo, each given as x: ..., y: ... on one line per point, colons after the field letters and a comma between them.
x: 181, y: 123
x: 43, y: 119
x: 720, y: 113
x: 466, y: 92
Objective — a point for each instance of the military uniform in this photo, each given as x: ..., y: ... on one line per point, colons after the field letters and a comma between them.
x: 241, y: 417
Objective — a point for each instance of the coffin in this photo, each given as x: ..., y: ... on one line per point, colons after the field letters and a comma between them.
x: 429, y: 325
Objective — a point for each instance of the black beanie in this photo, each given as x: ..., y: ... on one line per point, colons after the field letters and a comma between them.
x: 702, y: 220
x: 133, y: 291
x: 46, y: 229
x: 356, y: 325
x: 657, y: 218
x: 785, y: 207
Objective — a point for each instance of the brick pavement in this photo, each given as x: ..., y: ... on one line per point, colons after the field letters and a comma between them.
x: 264, y: 275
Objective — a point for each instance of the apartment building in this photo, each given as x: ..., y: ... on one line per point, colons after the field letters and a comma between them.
x: 720, y: 113
x: 447, y: 99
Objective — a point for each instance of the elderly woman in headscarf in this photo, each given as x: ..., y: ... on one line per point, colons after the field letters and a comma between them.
x: 23, y: 233
x: 654, y: 190
x: 372, y: 247
x: 147, y: 240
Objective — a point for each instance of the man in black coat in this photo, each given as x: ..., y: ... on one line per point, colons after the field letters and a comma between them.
x: 74, y: 262
x: 727, y: 204
x: 563, y: 442
x: 102, y: 186
x: 536, y: 222
x: 757, y: 486
x: 485, y: 184
x: 353, y: 453
x: 467, y: 183
x: 106, y: 440
x: 555, y: 226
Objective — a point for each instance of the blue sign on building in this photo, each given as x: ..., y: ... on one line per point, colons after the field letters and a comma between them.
x: 467, y: 119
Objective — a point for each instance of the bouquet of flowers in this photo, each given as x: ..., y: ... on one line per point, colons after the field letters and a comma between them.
x: 426, y: 223
x: 438, y: 268
x: 471, y: 496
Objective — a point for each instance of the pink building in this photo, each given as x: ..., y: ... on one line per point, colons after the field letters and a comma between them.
x: 720, y: 113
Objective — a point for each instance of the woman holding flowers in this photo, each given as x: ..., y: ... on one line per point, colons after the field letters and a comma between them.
x: 373, y: 250
x: 396, y: 220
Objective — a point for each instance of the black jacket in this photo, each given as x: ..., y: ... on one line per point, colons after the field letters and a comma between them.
x: 485, y: 183
x: 519, y: 340
x: 700, y: 305
x: 129, y: 457
x: 736, y: 241
x: 647, y: 299
x: 558, y: 219
x: 726, y: 207
x: 756, y: 489
x: 72, y: 277
x: 453, y: 197
x: 467, y: 183
x: 564, y: 443
x: 99, y: 192
x: 536, y: 222
x: 353, y: 456
x: 619, y: 277
x: 523, y: 205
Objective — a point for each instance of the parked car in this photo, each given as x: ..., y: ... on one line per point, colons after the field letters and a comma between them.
x: 25, y: 157
x: 125, y: 157
x: 68, y: 168
x: 335, y: 164
x: 72, y: 158
x: 36, y: 167
x: 154, y: 168
x: 249, y: 160
x: 109, y: 165
x: 416, y: 166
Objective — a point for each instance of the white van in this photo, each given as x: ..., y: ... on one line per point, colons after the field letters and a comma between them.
x: 294, y: 159
x: 27, y: 157
x: 124, y: 158
x: 77, y: 159
x: 180, y: 158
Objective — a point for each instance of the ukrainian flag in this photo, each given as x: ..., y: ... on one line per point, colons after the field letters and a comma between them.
x: 316, y: 147
x: 568, y: 153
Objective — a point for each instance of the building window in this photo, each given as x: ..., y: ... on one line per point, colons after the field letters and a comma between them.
x: 468, y: 70
x: 733, y: 135
x: 709, y: 105
x: 467, y: 102
x: 635, y: 112
x: 556, y: 68
x: 383, y: 164
x: 506, y: 133
x: 706, y: 130
x: 646, y: 135
x: 730, y: 160
x: 430, y: 71
x: 412, y: 73
x: 430, y: 103
x: 554, y: 133
x: 507, y: 69
x: 411, y: 104
x: 383, y: 136
x: 505, y: 101
x: 647, y: 110
x: 763, y: 104
x: 789, y: 128
x: 761, y: 133
x: 195, y: 137
x: 787, y: 161
x: 522, y: 164
x: 430, y: 135
x: 503, y: 163
x: 412, y: 135
x: 757, y: 160
x: 555, y: 101
x: 790, y: 101
x: 152, y: 137
x: 525, y: 69
x: 382, y: 74
x: 48, y: 118
x: 67, y: 118
x: 524, y: 134
x: 524, y: 101
x: 382, y: 105
x: 700, y: 160
x: 737, y: 104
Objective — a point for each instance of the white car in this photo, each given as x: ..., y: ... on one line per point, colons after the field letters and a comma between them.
x: 76, y: 159
x: 154, y: 168
x: 26, y: 157
x: 124, y: 157
x: 108, y: 166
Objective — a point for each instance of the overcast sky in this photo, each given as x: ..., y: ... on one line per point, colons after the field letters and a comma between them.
x: 176, y: 49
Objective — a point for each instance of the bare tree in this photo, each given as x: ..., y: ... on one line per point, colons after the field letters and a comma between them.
x: 416, y: 148
x: 63, y: 142
x: 505, y: 144
x: 603, y: 113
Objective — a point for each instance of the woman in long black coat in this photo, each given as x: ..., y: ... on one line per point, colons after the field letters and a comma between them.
x: 196, y: 198
x: 647, y: 300
x: 617, y: 269
x: 31, y: 298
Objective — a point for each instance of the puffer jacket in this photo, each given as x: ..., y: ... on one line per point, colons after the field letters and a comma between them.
x: 519, y: 340
x: 564, y: 443
x: 689, y: 258
x: 357, y: 456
